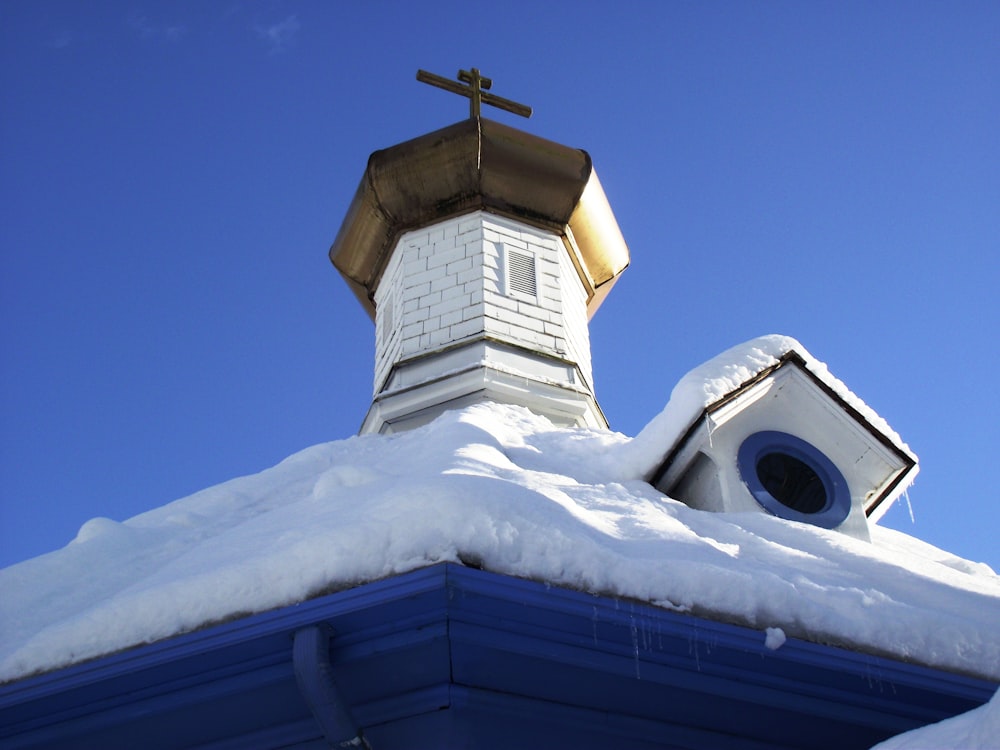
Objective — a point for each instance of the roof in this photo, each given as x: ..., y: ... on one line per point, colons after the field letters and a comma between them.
x: 480, y: 164
x: 496, y: 487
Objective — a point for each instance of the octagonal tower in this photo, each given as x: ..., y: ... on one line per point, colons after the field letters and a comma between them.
x: 480, y: 251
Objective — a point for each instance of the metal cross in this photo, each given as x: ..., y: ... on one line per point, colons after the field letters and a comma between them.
x: 477, y: 84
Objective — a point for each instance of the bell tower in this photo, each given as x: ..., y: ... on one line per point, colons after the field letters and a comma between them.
x: 480, y: 251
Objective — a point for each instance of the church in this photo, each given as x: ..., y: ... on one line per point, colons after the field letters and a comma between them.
x: 487, y: 564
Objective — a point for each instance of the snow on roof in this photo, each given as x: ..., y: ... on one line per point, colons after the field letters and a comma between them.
x: 977, y: 729
x: 499, y: 487
x: 725, y: 373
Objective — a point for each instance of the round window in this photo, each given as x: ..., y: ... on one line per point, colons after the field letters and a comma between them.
x: 793, y: 479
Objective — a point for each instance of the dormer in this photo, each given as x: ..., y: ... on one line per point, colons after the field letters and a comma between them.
x: 788, y: 440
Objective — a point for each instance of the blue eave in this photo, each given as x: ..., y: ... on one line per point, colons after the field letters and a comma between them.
x: 449, y: 655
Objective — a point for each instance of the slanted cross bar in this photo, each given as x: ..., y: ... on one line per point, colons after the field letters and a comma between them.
x: 477, y: 85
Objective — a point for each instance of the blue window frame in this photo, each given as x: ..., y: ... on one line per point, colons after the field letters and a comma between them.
x: 793, y: 479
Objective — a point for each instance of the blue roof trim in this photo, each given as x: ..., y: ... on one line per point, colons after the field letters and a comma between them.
x: 448, y: 649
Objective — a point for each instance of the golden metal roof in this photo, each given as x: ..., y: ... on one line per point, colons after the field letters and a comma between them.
x: 478, y: 164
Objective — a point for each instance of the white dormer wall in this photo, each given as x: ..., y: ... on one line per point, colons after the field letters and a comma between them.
x: 487, y: 278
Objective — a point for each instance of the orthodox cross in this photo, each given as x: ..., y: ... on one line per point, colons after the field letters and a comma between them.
x: 477, y: 84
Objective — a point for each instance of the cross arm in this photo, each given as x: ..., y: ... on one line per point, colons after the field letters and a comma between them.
x: 474, y: 92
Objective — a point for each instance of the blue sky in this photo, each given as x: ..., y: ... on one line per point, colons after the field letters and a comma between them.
x: 172, y: 175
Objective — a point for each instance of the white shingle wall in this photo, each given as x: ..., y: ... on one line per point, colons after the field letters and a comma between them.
x: 387, y: 328
x: 576, y: 324
x: 446, y: 285
x: 556, y: 322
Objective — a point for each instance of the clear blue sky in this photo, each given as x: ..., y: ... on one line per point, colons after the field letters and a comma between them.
x: 172, y: 175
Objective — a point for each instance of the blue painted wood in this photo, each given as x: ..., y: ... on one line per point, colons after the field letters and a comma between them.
x: 450, y: 656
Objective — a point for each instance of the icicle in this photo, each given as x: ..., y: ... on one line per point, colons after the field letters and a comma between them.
x: 909, y: 505
x: 633, y: 630
x: 710, y: 424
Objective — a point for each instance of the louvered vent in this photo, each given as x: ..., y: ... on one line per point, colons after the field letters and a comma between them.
x: 521, y: 273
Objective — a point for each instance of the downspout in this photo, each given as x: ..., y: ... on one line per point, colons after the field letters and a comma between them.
x: 314, y: 674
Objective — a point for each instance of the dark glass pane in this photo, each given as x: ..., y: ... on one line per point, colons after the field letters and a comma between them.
x: 792, y: 482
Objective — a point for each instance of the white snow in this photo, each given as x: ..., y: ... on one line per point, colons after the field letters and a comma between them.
x: 501, y: 487
x: 723, y: 374
x: 978, y: 729
x: 774, y: 638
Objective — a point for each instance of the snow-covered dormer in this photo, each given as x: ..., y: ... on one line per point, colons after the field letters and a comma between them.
x: 765, y: 428
x: 480, y: 251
